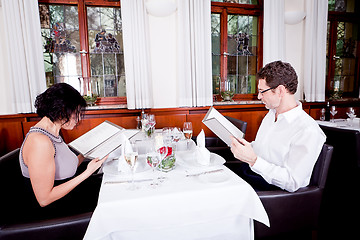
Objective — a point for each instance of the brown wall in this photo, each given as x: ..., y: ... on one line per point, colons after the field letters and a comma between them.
x: 13, y: 128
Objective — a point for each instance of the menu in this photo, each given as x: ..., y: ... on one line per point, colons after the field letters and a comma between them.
x: 101, y: 140
x: 221, y: 126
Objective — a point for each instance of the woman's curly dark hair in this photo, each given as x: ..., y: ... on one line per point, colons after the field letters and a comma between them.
x: 279, y: 73
x: 59, y: 102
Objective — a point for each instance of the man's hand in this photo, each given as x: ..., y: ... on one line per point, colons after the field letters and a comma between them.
x: 243, y: 151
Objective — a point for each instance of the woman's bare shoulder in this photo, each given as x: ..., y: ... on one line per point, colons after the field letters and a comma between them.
x: 38, y: 144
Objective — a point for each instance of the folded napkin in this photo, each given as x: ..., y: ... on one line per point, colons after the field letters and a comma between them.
x: 125, y: 147
x: 202, y: 154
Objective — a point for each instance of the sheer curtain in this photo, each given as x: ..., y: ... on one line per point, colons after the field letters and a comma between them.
x: 274, y: 31
x: 194, y: 86
x: 23, y: 76
x: 315, y: 50
x: 136, y: 54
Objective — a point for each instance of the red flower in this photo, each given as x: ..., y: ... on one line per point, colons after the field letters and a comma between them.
x: 169, y: 150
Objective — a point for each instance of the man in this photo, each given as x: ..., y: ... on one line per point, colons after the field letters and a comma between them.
x: 288, y: 141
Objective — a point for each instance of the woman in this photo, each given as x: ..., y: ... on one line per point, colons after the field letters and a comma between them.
x: 47, y: 161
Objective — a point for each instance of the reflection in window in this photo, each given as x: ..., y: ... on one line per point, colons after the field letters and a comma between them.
x: 241, y: 46
x: 61, y: 43
x: 234, y: 39
x: 215, y: 45
x: 106, y: 51
x: 341, y: 5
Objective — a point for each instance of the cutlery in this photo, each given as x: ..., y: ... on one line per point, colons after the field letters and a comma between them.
x: 129, y: 181
x: 206, y: 172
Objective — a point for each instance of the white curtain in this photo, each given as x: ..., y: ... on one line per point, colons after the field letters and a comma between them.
x: 274, y: 31
x: 136, y: 54
x: 194, y: 53
x: 315, y: 50
x: 23, y: 76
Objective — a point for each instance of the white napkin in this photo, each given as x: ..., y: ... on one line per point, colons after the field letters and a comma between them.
x: 125, y: 147
x: 202, y: 154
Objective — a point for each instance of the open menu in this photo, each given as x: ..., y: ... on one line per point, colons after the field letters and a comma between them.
x: 101, y: 140
x: 221, y: 126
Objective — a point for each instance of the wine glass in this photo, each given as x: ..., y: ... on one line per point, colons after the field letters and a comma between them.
x: 176, y: 134
x: 151, y: 122
x: 153, y: 159
x: 351, y: 114
x: 131, y: 156
x: 333, y: 112
x: 188, y: 131
x: 167, y: 135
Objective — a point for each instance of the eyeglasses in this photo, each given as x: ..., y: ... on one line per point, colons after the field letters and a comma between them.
x: 264, y: 91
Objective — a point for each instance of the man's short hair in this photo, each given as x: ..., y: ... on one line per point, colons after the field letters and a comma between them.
x: 279, y: 73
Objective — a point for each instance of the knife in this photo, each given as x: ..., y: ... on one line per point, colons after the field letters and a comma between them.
x: 206, y: 172
x: 130, y: 181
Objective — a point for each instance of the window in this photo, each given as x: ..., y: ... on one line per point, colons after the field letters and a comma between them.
x: 83, y: 46
x: 236, y: 47
x: 343, y: 50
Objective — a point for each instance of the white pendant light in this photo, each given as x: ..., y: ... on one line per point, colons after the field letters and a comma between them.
x: 160, y: 8
x: 294, y: 17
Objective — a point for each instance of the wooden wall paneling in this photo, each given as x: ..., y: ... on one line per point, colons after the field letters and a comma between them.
x: 315, y: 112
x: 26, y: 126
x: 168, y: 120
x: 253, y: 119
x: 196, y: 120
x: 14, y: 127
x: 85, y: 125
x: 11, y: 135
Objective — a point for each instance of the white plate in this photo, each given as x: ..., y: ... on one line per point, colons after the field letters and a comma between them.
x: 111, y: 167
x: 187, y: 159
x: 216, y: 177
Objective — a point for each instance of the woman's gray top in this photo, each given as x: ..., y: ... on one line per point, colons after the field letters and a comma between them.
x: 66, y: 161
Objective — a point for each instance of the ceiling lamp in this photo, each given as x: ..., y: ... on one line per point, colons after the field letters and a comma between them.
x: 160, y: 8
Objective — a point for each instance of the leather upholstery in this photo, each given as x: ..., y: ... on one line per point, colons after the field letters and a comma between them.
x: 341, y: 208
x: 288, y: 212
x: 298, y: 211
x: 12, y: 202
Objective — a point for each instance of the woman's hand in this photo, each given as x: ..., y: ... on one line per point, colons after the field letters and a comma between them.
x: 95, y: 164
x: 243, y: 151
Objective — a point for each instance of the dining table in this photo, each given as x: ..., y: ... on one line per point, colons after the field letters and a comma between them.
x: 341, y: 123
x: 191, y: 201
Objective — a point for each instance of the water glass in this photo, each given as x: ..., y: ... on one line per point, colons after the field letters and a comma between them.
x: 351, y: 114
x: 153, y: 159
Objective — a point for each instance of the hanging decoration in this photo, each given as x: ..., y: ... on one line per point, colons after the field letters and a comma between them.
x: 57, y: 41
x: 242, y: 40
x: 106, y: 43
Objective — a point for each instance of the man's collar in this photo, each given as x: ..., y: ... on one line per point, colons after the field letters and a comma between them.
x: 290, y: 115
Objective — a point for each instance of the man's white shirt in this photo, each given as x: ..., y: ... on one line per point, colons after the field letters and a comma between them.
x: 288, y: 148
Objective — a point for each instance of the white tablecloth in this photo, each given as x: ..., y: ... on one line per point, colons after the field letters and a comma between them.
x: 181, y: 208
x: 342, y: 123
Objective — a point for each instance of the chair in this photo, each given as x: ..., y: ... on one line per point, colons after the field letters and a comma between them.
x: 341, y: 195
x: 12, y: 200
x: 298, y: 211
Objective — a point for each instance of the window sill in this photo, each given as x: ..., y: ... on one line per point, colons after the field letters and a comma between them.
x: 112, y: 106
x: 237, y: 102
x: 124, y: 106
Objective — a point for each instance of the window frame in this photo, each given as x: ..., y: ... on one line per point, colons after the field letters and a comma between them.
x: 242, y: 9
x: 84, y: 38
x: 334, y: 18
